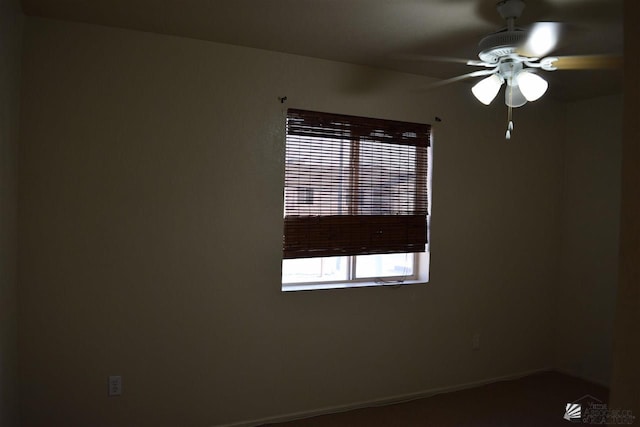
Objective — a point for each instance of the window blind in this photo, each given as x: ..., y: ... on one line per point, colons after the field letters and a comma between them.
x: 354, y: 185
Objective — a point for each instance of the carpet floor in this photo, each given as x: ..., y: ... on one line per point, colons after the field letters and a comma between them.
x: 537, y: 400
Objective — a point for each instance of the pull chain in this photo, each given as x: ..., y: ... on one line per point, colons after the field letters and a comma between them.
x: 509, y: 111
x: 510, y: 124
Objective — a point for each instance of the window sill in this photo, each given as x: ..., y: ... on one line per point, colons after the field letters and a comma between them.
x: 345, y: 285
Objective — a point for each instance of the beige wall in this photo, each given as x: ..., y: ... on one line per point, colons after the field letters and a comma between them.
x: 150, y: 230
x: 10, y: 46
x: 590, y: 237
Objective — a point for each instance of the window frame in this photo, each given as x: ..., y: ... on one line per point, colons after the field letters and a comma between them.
x: 420, y: 260
x: 421, y: 270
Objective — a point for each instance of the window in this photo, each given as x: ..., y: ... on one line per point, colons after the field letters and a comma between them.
x: 356, y: 196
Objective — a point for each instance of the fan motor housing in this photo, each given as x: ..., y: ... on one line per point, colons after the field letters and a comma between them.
x: 500, y: 44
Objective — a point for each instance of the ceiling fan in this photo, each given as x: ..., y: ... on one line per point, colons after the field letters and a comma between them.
x: 517, y: 58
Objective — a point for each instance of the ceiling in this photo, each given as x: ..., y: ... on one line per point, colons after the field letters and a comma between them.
x: 390, y: 34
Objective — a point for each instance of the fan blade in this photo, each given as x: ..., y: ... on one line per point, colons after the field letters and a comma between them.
x: 432, y: 58
x: 476, y: 63
x: 542, y: 38
x: 588, y: 62
x: 459, y: 78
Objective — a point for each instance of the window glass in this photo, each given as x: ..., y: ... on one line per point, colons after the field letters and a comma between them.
x: 387, y: 265
x: 305, y: 270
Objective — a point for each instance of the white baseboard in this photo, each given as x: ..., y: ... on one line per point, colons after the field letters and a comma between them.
x: 384, y: 401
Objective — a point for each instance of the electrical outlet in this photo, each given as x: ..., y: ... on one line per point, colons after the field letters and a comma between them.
x: 475, y: 342
x: 115, y: 385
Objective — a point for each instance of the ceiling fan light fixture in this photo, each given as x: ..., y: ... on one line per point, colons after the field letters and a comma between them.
x: 531, y: 85
x: 487, y: 89
x: 513, y: 96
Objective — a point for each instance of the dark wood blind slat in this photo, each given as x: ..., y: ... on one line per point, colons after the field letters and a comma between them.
x: 338, y: 126
x: 335, y: 235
